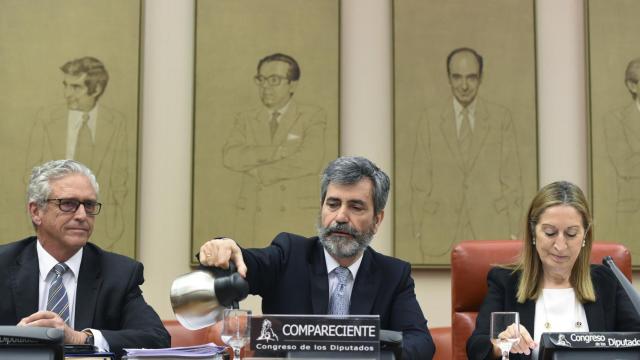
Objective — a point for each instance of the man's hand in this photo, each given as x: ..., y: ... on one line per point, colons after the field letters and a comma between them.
x: 218, y: 252
x: 53, y: 320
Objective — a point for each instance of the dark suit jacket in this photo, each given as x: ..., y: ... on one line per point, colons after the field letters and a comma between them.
x: 612, y: 310
x: 291, y: 277
x: 108, y: 297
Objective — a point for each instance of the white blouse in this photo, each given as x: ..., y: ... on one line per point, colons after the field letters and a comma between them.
x: 558, y: 310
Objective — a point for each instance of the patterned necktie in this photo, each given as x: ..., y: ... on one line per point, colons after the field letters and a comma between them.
x: 84, y: 143
x: 58, y: 302
x: 273, y: 123
x: 339, y: 301
x: 464, y: 138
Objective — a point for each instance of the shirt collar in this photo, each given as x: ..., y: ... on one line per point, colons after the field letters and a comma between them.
x: 332, y: 264
x: 457, y: 107
x: 46, y: 262
x: 280, y: 111
x: 77, y: 116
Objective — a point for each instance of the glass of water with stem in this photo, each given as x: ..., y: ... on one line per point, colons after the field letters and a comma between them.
x: 505, y: 330
x: 236, y: 329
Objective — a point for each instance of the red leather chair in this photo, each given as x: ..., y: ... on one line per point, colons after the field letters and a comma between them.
x: 181, y: 336
x: 470, y: 263
x: 442, y: 338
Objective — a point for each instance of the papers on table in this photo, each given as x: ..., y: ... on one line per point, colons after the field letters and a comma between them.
x: 198, y: 351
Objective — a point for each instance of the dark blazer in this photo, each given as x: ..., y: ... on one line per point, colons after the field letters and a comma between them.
x: 612, y: 310
x: 291, y: 277
x: 108, y: 297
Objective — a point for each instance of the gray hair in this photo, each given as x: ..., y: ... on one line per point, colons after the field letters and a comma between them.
x: 347, y: 170
x: 633, y: 74
x: 39, y: 187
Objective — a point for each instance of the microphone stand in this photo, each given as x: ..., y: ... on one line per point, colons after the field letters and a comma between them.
x: 626, y: 285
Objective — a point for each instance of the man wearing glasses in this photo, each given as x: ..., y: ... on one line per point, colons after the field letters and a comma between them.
x: 279, y: 150
x: 58, y: 279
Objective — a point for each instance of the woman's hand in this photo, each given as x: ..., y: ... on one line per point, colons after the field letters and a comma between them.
x: 523, y: 346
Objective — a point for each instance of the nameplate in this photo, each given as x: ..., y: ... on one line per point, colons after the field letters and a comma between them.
x: 283, y: 335
x: 590, y: 340
x: 28, y: 335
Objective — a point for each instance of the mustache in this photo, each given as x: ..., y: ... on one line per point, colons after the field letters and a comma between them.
x: 343, y: 228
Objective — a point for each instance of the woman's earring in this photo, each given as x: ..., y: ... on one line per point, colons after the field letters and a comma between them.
x: 584, y: 243
x: 533, y: 240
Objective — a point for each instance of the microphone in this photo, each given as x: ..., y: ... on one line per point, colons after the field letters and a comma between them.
x: 626, y: 285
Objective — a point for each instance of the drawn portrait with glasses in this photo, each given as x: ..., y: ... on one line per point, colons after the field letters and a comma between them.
x: 279, y: 149
x: 266, y: 110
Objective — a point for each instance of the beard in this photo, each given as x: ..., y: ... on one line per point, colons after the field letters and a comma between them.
x: 343, y: 246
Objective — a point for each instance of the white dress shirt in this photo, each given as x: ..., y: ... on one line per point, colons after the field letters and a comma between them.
x: 457, y: 110
x: 46, y: 262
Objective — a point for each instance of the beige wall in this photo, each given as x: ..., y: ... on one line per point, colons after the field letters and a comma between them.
x: 166, y: 138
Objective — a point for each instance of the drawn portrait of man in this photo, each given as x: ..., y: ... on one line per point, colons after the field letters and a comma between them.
x: 465, y: 124
x: 266, y: 116
x: 622, y: 137
x: 279, y: 150
x: 466, y: 177
x: 614, y: 126
x: 73, y: 70
x: 85, y: 130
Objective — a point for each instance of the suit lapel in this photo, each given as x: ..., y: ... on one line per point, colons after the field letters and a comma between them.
x: 260, y: 130
x: 527, y: 313
x: 319, y: 281
x: 25, y: 282
x: 365, y: 287
x: 595, y: 316
x: 450, y: 133
x: 285, y: 122
x: 631, y: 121
x: 57, y: 132
x: 480, y: 131
x: 105, y: 130
x: 89, y: 281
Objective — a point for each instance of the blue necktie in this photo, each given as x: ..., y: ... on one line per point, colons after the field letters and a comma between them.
x: 58, y: 302
x: 339, y: 300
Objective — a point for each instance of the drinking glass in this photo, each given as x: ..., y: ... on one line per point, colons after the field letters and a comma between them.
x: 236, y: 329
x: 500, y: 321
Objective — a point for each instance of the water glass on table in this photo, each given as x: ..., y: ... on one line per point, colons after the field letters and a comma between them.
x: 236, y: 329
x: 505, y: 330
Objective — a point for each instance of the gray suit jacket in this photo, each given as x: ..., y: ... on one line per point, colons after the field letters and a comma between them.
x: 111, y: 164
x: 486, y: 187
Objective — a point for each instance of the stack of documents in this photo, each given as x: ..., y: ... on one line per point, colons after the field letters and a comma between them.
x: 206, y: 351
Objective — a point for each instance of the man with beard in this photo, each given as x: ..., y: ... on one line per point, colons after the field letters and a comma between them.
x: 336, y: 272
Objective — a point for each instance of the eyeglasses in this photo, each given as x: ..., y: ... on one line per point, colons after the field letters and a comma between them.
x: 273, y: 80
x: 91, y: 207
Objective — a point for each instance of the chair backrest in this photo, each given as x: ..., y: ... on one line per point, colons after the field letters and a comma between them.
x: 470, y: 263
x: 181, y: 336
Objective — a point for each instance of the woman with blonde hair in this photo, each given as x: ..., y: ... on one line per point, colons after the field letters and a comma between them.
x: 553, y: 286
